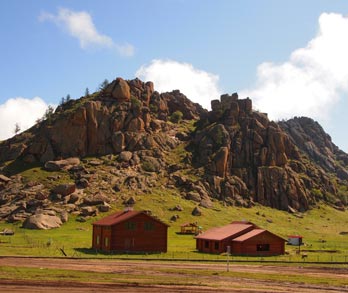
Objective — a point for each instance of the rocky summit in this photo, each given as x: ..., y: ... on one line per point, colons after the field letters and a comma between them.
x: 128, y: 139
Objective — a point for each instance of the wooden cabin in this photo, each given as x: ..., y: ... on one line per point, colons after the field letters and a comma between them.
x: 258, y: 242
x: 130, y: 231
x: 243, y: 238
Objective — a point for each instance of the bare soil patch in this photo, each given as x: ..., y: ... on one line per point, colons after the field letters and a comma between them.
x: 194, y: 275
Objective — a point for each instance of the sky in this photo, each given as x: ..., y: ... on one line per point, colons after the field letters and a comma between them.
x: 290, y: 57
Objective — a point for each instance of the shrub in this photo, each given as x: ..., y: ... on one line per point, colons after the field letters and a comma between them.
x: 148, y: 167
x: 176, y: 117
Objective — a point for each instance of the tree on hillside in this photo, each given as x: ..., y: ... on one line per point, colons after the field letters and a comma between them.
x: 17, y: 128
x: 48, y: 114
x: 62, y: 101
x: 87, y: 92
x: 103, y: 85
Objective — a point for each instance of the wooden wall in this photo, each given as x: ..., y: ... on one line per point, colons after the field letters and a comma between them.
x: 250, y: 246
x: 141, y: 233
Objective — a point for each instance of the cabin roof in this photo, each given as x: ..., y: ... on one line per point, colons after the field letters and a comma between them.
x: 221, y: 233
x: 122, y: 216
x: 249, y: 235
x: 253, y: 233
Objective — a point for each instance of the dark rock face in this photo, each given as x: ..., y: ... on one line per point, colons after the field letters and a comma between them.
x: 236, y: 154
x: 316, y: 144
x: 248, y: 158
x: 123, y: 117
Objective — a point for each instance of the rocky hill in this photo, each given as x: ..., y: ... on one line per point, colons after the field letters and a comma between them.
x: 127, y: 139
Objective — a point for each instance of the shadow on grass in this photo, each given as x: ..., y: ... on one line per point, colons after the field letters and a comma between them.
x: 19, y: 166
x: 91, y: 251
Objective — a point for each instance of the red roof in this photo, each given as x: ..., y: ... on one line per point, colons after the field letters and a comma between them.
x: 121, y: 217
x: 249, y: 235
x: 252, y: 234
x: 221, y: 233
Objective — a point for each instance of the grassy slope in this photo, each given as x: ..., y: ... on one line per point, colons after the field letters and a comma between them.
x: 75, y: 237
x: 320, y: 226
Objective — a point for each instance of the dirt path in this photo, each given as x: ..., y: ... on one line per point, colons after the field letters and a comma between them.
x: 194, y: 277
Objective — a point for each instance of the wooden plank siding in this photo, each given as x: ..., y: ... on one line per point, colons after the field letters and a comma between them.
x: 264, y: 244
x: 218, y: 246
x: 139, y: 233
x: 244, y: 239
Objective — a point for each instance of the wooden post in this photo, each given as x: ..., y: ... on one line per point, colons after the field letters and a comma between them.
x: 228, y: 258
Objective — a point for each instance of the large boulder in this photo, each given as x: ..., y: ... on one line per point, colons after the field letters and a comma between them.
x: 62, y: 164
x: 42, y: 222
x: 119, y: 90
x: 64, y: 189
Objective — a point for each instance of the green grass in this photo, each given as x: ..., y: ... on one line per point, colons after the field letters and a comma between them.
x: 320, y: 228
x: 164, y: 276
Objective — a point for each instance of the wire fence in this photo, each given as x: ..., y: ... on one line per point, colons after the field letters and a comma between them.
x: 27, y: 245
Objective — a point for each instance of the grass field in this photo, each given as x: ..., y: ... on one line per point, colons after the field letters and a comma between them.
x: 321, y: 228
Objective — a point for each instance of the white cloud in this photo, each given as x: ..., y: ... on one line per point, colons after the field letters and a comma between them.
x: 80, y: 25
x: 311, y: 81
x: 167, y: 75
x: 22, y: 111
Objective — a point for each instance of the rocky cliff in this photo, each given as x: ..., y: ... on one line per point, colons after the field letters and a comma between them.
x: 127, y: 137
x: 247, y: 158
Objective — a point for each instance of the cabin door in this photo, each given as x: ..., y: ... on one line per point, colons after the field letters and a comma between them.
x: 128, y: 243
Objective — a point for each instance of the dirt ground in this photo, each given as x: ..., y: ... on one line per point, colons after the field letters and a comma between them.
x: 214, y: 282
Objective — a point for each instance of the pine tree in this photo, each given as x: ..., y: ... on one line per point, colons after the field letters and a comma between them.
x: 87, y: 92
x: 103, y: 85
x: 17, y: 128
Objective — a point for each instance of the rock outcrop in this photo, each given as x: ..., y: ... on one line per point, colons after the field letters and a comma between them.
x: 124, y: 140
x: 248, y: 158
x: 125, y: 116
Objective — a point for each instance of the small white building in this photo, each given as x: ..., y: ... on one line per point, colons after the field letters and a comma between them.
x: 295, y: 240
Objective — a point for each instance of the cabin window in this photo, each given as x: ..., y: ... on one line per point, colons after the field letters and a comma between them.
x: 206, y: 244
x: 149, y: 226
x: 262, y: 247
x: 216, y: 245
x: 130, y: 225
x: 106, y: 241
x: 98, y: 240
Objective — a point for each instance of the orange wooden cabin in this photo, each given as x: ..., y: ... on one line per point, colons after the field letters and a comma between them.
x: 130, y: 231
x: 244, y: 238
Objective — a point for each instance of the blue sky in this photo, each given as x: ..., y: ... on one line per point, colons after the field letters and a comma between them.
x: 288, y: 56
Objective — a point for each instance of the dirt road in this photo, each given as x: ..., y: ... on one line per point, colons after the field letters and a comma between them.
x: 151, y: 276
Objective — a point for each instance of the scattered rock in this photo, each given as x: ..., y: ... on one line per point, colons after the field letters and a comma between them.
x: 88, y: 211
x: 62, y: 164
x: 131, y: 201
x: 178, y: 208
x: 64, y: 189
x: 42, y: 222
x: 3, y: 178
x: 7, y: 232
x: 193, y: 196
x: 196, y: 212
x: 104, y: 208
x: 64, y: 216
x: 174, y: 218
x: 125, y: 156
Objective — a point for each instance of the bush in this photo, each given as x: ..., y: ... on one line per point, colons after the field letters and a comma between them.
x: 176, y: 117
x: 135, y: 102
x: 148, y: 167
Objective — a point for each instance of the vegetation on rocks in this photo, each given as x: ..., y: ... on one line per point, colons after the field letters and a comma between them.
x: 129, y: 140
